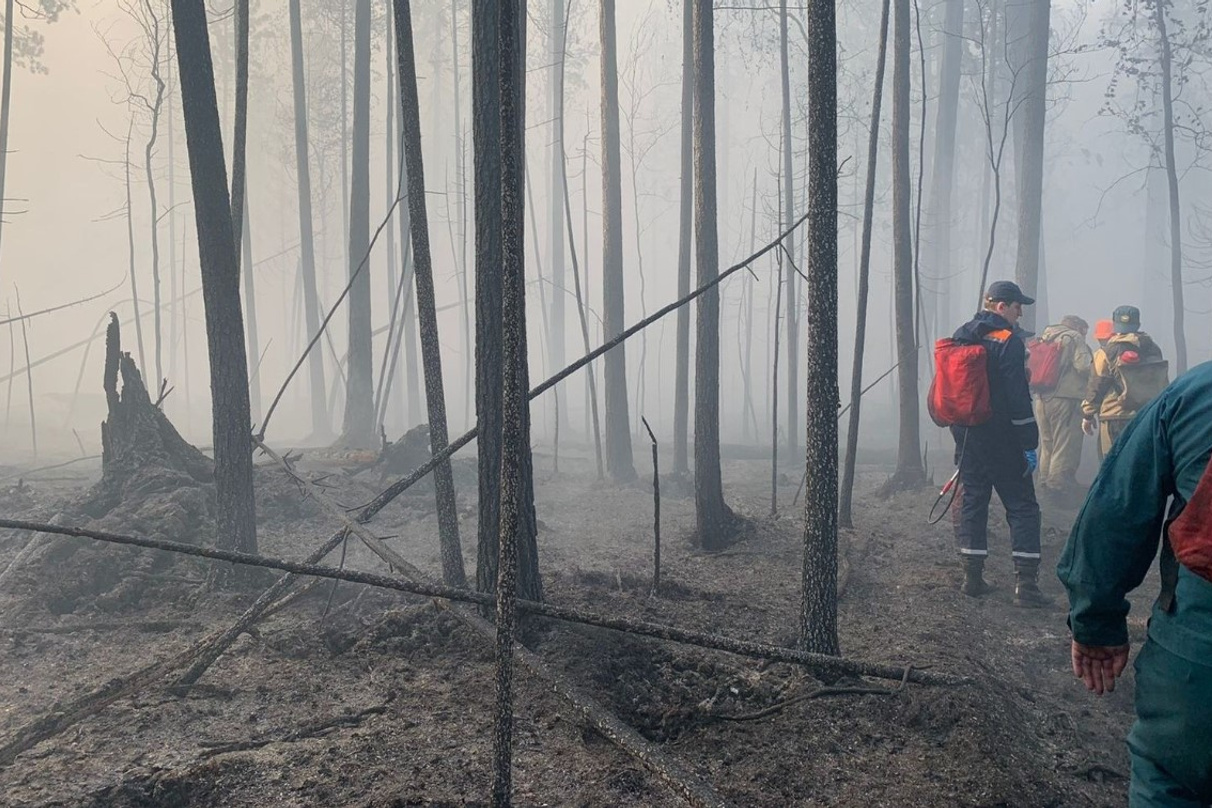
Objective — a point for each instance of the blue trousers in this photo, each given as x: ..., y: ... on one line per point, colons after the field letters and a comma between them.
x: 990, y: 460
x: 1171, y: 742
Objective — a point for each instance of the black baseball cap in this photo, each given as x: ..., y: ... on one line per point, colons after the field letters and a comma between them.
x: 1007, y: 292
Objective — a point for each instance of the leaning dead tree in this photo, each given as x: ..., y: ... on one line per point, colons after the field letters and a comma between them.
x: 448, y: 518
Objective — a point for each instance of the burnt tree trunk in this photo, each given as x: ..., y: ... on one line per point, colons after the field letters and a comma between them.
x: 489, y: 144
x: 818, y: 615
x: 1176, y: 231
x: 307, y: 250
x: 845, y: 516
x: 1029, y: 155
x: 681, y: 385
x: 239, y: 203
x: 6, y: 96
x: 231, y: 423
x: 942, y: 182
x: 517, y: 499
x: 793, y: 297
x: 448, y: 518
x: 359, y: 426
x: 619, y: 461
x: 909, y: 471
x: 555, y: 202
x: 711, y: 514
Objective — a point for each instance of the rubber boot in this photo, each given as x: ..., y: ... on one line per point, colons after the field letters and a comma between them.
x: 1026, y: 585
x: 974, y: 582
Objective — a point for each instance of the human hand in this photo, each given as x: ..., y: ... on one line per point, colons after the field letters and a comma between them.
x: 1099, y: 665
x: 1032, y: 458
x: 1088, y: 426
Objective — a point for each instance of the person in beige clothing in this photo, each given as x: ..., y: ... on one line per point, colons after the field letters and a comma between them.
x: 1127, y: 374
x: 1058, y: 409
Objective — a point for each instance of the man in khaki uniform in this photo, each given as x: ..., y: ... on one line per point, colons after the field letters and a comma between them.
x: 1127, y: 374
x: 1059, y: 410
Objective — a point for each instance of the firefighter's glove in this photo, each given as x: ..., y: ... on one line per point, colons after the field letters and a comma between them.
x: 1088, y: 426
x: 1032, y: 461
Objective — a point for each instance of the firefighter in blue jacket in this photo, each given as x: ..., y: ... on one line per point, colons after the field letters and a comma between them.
x: 1001, y: 453
x: 1160, y: 456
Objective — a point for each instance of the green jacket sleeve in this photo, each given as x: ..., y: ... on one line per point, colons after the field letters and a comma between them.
x: 1118, y: 530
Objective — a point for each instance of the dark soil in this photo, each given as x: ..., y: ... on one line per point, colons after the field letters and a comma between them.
x: 387, y: 700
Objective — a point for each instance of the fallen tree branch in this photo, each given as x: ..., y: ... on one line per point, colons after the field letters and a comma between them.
x: 316, y: 729
x: 820, y: 692
x: 148, y: 626
x: 822, y: 663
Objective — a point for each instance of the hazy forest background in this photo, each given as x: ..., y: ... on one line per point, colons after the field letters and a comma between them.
x: 83, y: 102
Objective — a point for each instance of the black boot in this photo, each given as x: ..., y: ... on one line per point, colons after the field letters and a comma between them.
x: 1026, y: 585
x: 974, y: 582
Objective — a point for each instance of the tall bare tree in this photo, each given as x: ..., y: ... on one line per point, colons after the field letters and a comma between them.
x: 410, y: 120
x: 619, y: 461
x: 793, y: 296
x: 307, y: 249
x: 490, y: 141
x: 681, y: 385
x: 845, y: 516
x: 231, y: 422
x: 1032, y: 84
x: 555, y: 201
x: 713, y: 517
x: 818, y: 613
x: 516, y: 495
x: 942, y: 182
x: 359, y: 425
x: 909, y: 470
x: 239, y: 189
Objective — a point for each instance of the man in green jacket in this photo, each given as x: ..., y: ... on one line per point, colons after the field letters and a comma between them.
x: 1160, y: 457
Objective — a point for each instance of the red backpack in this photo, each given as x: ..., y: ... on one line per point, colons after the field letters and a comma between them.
x: 1044, y: 364
x: 1191, y: 533
x: 959, y: 393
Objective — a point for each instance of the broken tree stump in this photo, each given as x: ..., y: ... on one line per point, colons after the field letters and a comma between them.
x: 152, y: 482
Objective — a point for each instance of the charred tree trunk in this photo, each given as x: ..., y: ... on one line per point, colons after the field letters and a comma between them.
x: 130, y: 248
x: 359, y: 425
x: 490, y: 142
x: 713, y: 517
x: 818, y: 615
x: 389, y: 408
x: 619, y: 461
x: 517, y: 496
x: 845, y: 516
x: 943, y: 180
x: 307, y: 250
x: 239, y: 206
x: 909, y: 471
x: 231, y: 423
x: 1029, y: 156
x: 155, y: 105
x: 555, y: 202
x: 1176, y: 230
x: 410, y: 110
x: 6, y: 97
x: 793, y: 297
x: 681, y: 388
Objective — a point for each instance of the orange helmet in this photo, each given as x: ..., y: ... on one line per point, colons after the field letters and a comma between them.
x: 1103, y: 329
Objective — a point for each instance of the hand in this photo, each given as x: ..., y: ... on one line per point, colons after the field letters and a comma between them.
x: 1099, y: 665
x: 1032, y: 458
x: 1088, y: 426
